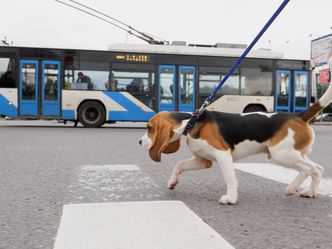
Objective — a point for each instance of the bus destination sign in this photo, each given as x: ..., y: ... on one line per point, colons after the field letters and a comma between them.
x: 132, y: 57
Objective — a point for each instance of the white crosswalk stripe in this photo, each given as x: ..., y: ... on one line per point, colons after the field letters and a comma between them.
x: 143, y: 224
x: 135, y: 225
x: 130, y: 225
x: 104, y: 183
x: 282, y: 174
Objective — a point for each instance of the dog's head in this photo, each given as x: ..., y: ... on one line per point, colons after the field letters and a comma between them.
x: 160, y: 136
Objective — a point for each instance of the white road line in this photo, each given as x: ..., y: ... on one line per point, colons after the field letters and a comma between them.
x: 105, y: 183
x: 282, y: 174
x: 111, y: 167
x: 135, y: 225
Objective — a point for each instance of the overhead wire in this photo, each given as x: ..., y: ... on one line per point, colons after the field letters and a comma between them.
x: 110, y: 17
x: 101, y: 13
x: 129, y: 29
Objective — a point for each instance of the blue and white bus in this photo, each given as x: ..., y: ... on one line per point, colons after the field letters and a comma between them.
x: 133, y: 82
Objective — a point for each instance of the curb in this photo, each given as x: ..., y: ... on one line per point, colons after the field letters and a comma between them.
x: 326, y: 123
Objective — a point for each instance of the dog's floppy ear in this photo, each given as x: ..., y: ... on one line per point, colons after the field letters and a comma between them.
x: 161, y: 141
x: 172, y: 147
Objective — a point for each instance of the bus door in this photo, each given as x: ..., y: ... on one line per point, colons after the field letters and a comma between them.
x: 301, y: 91
x: 186, y: 89
x: 39, y: 93
x: 292, y: 90
x: 166, y: 94
x: 283, y: 89
x: 176, y: 88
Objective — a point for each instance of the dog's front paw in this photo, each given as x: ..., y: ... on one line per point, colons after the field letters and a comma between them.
x: 226, y: 199
x: 172, y: 183
x: 290, y: 191
x: 308, y: 194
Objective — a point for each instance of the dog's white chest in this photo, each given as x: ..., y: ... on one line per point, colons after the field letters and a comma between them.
x: 203, y: 149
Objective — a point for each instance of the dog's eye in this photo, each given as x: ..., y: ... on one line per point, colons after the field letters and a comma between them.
x: 149, y: 128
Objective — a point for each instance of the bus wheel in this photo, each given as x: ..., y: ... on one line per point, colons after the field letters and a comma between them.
x: 254, y: 108
x: 91, y: 114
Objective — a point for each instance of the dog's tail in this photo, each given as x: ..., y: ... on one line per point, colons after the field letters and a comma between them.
x: 324, y: 101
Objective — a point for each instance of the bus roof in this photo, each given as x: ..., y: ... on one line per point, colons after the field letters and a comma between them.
x: 192, y: 50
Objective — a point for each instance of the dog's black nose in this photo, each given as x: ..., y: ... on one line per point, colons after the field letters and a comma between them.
x: 140, y: 142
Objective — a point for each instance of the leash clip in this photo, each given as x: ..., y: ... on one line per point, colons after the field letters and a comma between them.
x: 194, y: 117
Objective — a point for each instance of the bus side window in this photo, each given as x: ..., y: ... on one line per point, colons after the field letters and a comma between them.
x: 7, y: 80
x: 136, y: 86
x: 7, y: 75
x: 112, y: 83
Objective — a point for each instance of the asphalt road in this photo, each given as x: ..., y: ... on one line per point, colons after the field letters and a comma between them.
x: 45, y: 165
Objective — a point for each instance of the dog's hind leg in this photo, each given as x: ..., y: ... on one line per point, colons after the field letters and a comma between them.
x: 294, y: 186
x: 316, y: 175
x: 307, y: 168
x: 295, y: 160
x: 292, y: 159
x: 190, y: 164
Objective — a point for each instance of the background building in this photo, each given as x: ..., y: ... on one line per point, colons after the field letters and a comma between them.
x: 321, y: 50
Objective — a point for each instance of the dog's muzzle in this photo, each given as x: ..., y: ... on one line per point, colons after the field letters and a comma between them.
x: 145, y: 142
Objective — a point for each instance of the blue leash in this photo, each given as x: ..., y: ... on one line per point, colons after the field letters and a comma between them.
x: 209, y: 99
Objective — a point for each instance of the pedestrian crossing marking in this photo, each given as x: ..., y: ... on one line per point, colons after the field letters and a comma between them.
x: 135, y: 225
x: 283, y: 175
x: 111, y: 167
x: 113, y: 182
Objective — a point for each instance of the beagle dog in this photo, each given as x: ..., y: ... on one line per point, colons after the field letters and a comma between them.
x: 223, y: 138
